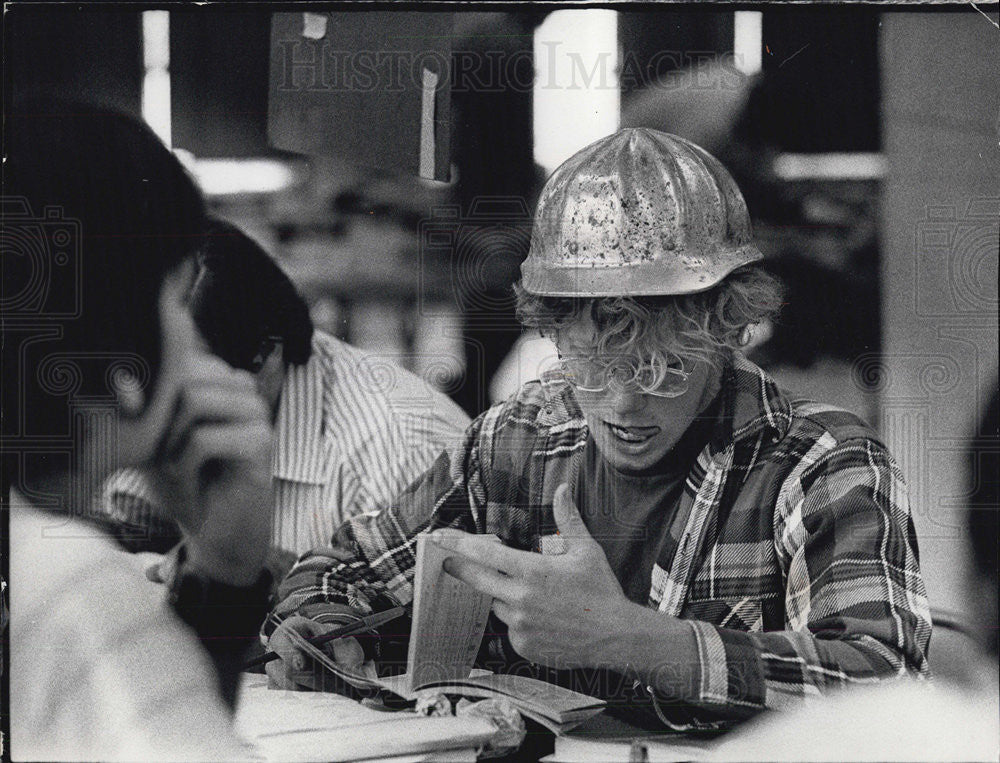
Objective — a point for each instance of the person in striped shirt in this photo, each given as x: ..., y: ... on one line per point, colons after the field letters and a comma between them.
x: 680, y: 536
x: 351, y: 430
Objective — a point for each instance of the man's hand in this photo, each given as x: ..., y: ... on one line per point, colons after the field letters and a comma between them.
x: 299, y: 671
x: 213, y: 471
x: 564, y: 611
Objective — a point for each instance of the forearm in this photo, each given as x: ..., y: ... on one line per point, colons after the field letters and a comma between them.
x: 658, y: 650
x: 370, y: 563
x: 734, y: 674
x: 674, y: 657
x: 321, y: 588
x: 222, y: 590
x: 333, y: 585
x: 225, y: 618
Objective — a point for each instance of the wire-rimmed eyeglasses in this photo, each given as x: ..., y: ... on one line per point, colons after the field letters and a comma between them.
x: 588, y: 374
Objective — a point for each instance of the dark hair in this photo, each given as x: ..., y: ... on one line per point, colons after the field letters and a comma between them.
x: 96, y: 212
x: 242, y: 297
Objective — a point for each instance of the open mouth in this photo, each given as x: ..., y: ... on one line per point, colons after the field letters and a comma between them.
x: 631, y: 435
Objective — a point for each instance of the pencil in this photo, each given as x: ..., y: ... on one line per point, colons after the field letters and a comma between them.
x: 351, y: 629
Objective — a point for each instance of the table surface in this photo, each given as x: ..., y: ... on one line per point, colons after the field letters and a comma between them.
x: 538, y: 742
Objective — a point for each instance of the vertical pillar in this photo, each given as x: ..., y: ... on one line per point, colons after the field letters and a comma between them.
x: 939, y: 266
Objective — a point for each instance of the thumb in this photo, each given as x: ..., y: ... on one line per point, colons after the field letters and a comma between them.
x: 568, y: 520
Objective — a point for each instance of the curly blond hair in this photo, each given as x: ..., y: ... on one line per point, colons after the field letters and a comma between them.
x: 665, y: 332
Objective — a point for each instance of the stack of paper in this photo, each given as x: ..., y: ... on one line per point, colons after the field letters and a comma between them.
x: 309, y: 726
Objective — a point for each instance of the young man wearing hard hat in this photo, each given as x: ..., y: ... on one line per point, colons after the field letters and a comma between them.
x: 709, y: 547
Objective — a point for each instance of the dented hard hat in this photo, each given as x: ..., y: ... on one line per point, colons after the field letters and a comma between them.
x: 639, y: 213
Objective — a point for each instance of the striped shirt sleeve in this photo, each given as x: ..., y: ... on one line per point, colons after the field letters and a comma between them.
x: 134, y: 513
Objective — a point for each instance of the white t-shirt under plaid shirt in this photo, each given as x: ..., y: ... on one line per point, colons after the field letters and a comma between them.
x: 352, y: 431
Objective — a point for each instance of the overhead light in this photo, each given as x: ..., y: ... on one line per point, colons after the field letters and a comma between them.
x: 156, y: 73
x: 748, y: 41
x: 843, y: 166
x: 222, y: 177
x: 576, y: 97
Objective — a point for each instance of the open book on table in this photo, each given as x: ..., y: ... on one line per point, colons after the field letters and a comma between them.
x: 449, y: 620
x: 556, y: 708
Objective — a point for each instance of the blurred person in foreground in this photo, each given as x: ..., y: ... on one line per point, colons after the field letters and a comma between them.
x: 351, y: 430
x: 111, y: 373
x: 939, y: 721
x: 710, y: 547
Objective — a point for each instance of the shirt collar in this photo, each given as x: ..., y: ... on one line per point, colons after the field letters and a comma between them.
x: 753, y: 402
x: 300, y: 448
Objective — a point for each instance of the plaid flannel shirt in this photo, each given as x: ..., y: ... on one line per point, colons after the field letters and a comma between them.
x: 792, y: 554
